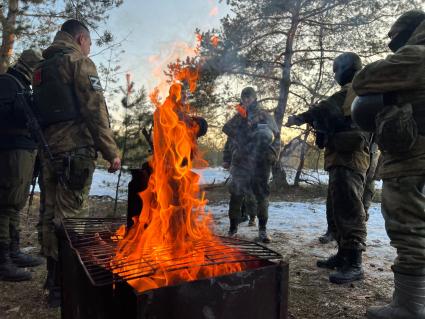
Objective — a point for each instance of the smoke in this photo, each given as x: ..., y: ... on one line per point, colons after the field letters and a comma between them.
x: 214, y: 8
x: 169, y: 53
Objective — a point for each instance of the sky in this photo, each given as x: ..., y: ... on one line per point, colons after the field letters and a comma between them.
x: 157, y: 32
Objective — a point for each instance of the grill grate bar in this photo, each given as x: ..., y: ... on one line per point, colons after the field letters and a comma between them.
x: 95, y: 243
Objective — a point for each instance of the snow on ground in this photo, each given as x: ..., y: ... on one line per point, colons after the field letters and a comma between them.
x: 104, y: 183
x: 304, y: 223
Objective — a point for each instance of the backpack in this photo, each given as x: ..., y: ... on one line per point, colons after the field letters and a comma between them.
x: 11, y: 113
x: 396, y: 129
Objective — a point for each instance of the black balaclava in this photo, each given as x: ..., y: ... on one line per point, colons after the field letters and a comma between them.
x: 404, y: 27
x: 345, y: 67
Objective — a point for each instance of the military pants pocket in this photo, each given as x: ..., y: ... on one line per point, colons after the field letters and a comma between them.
x: 80, y: 173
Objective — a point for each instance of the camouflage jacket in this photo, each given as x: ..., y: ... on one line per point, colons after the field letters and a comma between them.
x: 245, y: 153
x: 402, y: 73
x: 346, y: 145
x: 92, y: 129
x: 227, y: 151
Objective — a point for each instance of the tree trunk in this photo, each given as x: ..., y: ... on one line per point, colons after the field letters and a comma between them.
x: 8, y: 34
x: 279, y: 174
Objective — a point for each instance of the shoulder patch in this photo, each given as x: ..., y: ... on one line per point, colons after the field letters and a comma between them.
x: 36, y: 80
x: 95, y: 83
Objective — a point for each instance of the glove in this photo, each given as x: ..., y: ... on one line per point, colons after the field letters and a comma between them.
x: 295, y: 120
x: 226, y: 165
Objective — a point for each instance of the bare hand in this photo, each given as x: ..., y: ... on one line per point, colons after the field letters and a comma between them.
x: 115, y: 165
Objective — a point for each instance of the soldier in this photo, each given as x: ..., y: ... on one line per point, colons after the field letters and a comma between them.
x: 255, y: 148
x: 346, y: 160
x: 17, y: 157
x: 69, y: 101
x: 392, y: 103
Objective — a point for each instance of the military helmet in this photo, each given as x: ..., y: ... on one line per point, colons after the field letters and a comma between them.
x: 404, y: 27
x: 27, y: 62
x: 345, y: 66
x: 248, y: 92
x: 364, y: 110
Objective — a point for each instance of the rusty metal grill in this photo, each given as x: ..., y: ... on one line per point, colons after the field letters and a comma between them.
x: 93, y: 241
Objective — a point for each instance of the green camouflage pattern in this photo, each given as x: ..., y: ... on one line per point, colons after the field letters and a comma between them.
x: 92, y: 129
x: 403, y: 208
x: 348, y: 146
x: 345, y: 207
x: 250, y: 163
x: 402, y: 73
x: 16, y: 169
x: 63, y: 202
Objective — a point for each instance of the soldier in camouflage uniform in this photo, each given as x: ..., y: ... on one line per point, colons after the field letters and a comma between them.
x: 255, y: 147
x: 17, y: 156
x: 392, y: 98
x: 69, y: 101
x: 346, y: 160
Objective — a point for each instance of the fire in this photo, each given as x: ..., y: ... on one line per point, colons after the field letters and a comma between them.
x: 215, y: 40
x: 173, y: 221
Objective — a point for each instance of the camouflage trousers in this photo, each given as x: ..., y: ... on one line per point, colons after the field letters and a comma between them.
x: 403, y: 208
x: 368, y: 195
x: 16, y: 170
x: 252, y: 189
x: 344, y: 208
x: 64, y: 200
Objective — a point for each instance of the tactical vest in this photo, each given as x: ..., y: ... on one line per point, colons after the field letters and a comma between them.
x: 12, y: 115
x: 54, y: 98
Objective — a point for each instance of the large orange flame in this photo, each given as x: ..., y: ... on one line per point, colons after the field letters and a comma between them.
x: 173, y: 220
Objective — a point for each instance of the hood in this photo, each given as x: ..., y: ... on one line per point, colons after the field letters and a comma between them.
x: 418, y: 36
x: 62, y: 41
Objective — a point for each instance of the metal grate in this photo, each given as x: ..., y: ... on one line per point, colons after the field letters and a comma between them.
x: 93, y: 241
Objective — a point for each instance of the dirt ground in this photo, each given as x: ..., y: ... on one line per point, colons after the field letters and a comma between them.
x: 310, y: 293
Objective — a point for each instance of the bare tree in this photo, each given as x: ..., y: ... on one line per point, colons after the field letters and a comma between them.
x: 33, y: 21
x: 282, y: 46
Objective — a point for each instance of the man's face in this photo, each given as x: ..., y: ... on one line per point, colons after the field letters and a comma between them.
x: 84, y: 40
x: 247, y: 101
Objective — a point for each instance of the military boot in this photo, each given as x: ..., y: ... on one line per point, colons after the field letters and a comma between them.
x: 408, y: 300
x: 52, y: 283
x: 333, y: 262
x: 233, y: 227
x: 326, y: 237
x: 262, y: 232
x: 351, y: 269
x: 8, y: 270
x: 19, y: 258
